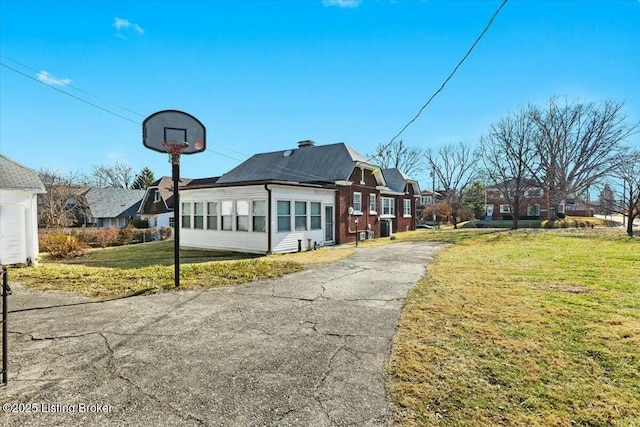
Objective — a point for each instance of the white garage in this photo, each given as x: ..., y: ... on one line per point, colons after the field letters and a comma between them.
x: 19, y: 187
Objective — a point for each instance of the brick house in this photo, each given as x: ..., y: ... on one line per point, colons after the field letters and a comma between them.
x: 296, y: 199
x: 534, y: 203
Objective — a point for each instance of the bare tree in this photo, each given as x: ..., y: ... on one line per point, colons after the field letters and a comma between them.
x: 579, y: 144
x: 510, y: 158
x: 629, y: 173
x: 397, y: 155
x: 118, y: 175
x: 455, y: 167
x: 58, y: 207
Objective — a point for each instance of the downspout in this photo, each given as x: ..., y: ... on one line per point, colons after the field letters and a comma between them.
x: 266, y: 187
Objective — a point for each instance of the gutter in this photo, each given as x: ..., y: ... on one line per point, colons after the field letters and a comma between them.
x: 266, y: 187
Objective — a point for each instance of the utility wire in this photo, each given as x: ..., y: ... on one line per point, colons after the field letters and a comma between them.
x: 486, y: 28
x: 69, y: 94
x: 71, y: 86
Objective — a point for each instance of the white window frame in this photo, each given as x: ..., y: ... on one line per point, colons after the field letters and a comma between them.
x: 156, y: 196
x: 213, y: 215
x: 505, y: 209
x: 303, y: 226
x: 185, y: 213
x: 357, y: 205
x: 406, y: 208
x: 372, y: 203
x: 317, y: 216
x: 245, y: 205
x: 254, y: 216
x: 223, y: 205
x: 388, y: 211
x: 197, y: 215
x: 278, y: 216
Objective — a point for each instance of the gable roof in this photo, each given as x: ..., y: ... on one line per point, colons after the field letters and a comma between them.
x: 397, y: 181
x: 164, y: 185
x: 113, y: 202
x: 323, y: 163
x: 14, y: 176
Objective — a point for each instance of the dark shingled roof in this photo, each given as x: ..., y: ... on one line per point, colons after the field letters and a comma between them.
x: 113, y: 202
x: 324, y: 163
x: 396, y: 180
x: 14, y: 176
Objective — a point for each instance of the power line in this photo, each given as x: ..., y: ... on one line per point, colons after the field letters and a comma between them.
x: 69, y: 94
x: 71, y: 86
x: 486, y: 28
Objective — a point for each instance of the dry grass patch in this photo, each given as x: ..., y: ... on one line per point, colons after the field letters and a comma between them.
x: 519, y: 328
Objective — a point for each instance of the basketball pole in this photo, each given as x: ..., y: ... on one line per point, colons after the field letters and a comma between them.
x: 175, y: 172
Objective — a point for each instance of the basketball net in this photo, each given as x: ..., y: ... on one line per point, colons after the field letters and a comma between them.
x: 174, y: 149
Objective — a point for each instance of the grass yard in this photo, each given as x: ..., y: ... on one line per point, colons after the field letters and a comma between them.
x: 526, y: 328
x: 148, y: 268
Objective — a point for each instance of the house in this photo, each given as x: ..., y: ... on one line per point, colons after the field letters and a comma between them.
x: 19, y: 187
x: 533, y: 203
x: 109, y: 207
x: 157, y: 203
x: 424, y: 207
x: 296, y: 199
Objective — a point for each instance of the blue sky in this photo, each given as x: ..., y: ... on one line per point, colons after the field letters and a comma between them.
x: 262, y: 75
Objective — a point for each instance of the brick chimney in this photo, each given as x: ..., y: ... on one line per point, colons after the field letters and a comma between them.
x: 306, y: 143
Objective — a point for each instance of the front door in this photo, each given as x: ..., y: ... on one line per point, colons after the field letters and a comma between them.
x: 329, y: 225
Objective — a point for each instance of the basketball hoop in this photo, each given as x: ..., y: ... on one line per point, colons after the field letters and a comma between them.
x: 174, y: 149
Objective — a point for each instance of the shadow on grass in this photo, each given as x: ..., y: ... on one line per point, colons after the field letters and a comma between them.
x: 148, y: 254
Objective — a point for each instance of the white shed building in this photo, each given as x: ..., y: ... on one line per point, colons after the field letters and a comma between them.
x: 19, y: 186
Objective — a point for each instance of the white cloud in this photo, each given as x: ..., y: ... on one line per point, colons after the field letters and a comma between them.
x: 344, y: 3
x: 48, y: 79
x: 124, y: 26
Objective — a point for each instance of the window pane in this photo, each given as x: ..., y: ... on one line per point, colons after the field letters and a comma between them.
x: 226, y: 222
x: 243, y: 223
x: 284, y: 223
x: 212, y: 208
x: 186, y: 209
x: 316, y: 223
x: 212, y: 215
x: 242, y: 207
x: 284, y: 208
x: 227, y: 207
x: 259, y: 224
x: 212, y: 222
x: 301, y: 208
x: 259, y: 208
x: 301, y: 223
x: 315, y: 208
x: 198, y: 208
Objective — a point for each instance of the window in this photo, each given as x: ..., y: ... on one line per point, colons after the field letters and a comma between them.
x: 533, y: 210
x: 227, y: 214
x: 388, y: 207
x: 259, y: 216
x: 156, y: 196
x: 172, y: 222
x: 316, y: 218
x: 372, y: 203
x: 284, y: 215
x: 212, y: 216
x: 242, y: 215
x: 362, y: 176
x: 406, y: 207
x: 198, y: 215
x: 357, y: 202
x: 534, y: 193
x: 425, y: 200
x: 505, y: 208
x: 186, y: 215
x: 301, y: 216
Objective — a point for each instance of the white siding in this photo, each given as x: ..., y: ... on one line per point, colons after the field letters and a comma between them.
x: 251, y: 241
x: 288, y: 241
x: 240, y: 241
x: 18, y: 227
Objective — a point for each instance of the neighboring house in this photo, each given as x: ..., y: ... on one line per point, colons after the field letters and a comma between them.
x: 296, y: 199
x: 425, y: 202
x: 109, y: 207
x: 534, y: 203
x: 157, y: 203
x: 19, y: 187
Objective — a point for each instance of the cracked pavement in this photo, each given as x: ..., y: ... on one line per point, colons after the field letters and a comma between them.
x: 307, y: 349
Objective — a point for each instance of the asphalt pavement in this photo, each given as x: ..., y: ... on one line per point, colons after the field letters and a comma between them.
x: 307, y: 349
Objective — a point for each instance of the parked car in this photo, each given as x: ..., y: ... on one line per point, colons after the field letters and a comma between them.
x: 430, y: 227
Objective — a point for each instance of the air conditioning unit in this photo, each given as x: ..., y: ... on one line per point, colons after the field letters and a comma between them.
x: 363, y: 235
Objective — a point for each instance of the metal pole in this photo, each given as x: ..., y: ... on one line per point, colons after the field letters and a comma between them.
x: 5, y: 291
x: 175, y: 169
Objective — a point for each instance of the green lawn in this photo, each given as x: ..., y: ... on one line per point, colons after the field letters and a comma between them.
x: 522, y: 329
x: 147, y: 268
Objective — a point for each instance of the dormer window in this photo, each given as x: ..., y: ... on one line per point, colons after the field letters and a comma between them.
x: 156, y: 196
x: 362, y: 176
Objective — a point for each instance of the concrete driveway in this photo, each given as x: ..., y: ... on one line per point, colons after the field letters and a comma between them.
x: 307, y: 349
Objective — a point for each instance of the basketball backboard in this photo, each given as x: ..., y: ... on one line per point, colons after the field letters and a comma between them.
x: 168, y: 128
